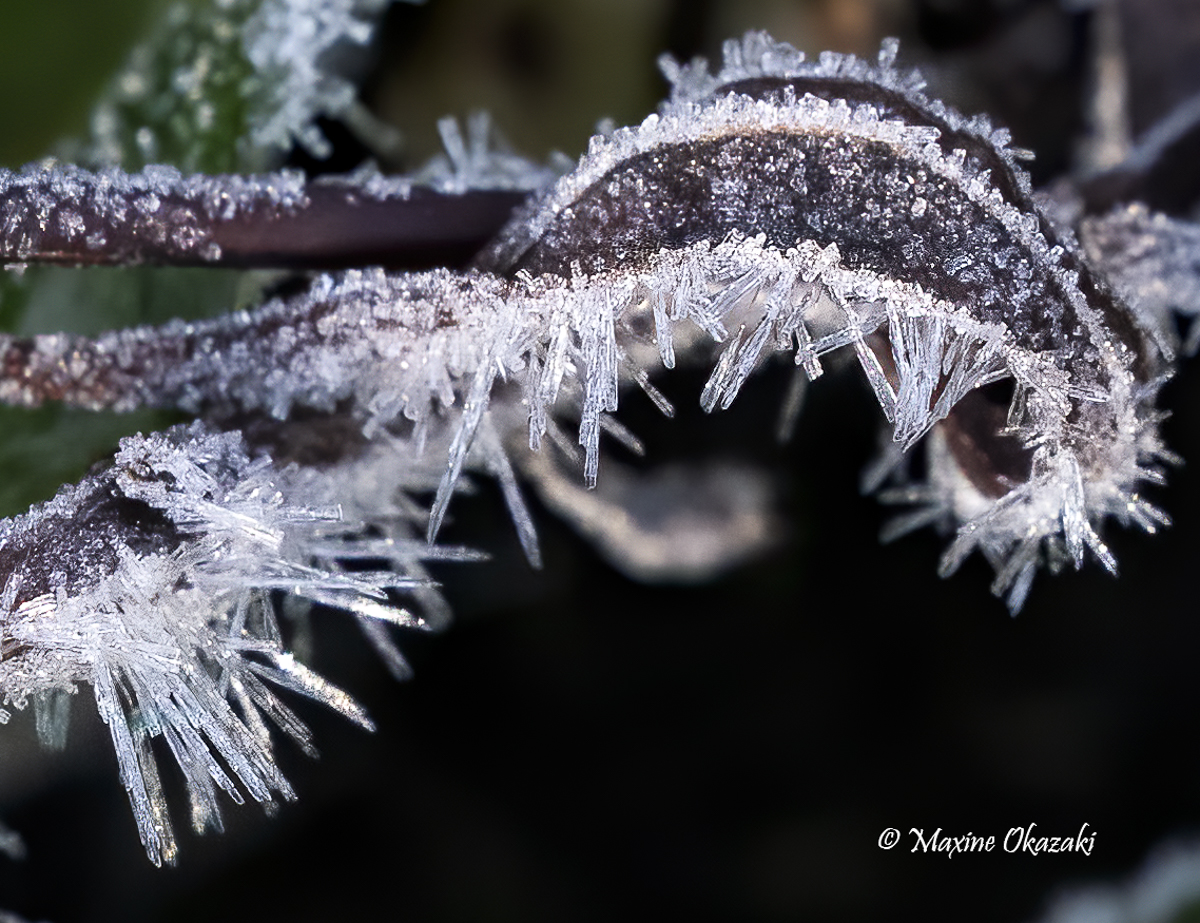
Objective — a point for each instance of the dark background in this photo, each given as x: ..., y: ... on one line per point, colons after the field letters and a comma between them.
x: 580, y: 747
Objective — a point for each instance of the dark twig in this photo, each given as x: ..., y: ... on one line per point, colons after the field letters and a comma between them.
x: 63, y: 215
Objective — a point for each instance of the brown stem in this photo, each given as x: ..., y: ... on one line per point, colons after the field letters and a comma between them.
x: 337, y: 231
x: 63, y: 215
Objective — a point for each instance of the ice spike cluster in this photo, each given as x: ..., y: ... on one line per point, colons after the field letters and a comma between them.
x: 776, y: 206
x: 151, y: 581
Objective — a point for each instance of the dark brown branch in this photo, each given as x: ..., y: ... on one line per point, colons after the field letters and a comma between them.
x: 63, y: 215
x: 336, y: 231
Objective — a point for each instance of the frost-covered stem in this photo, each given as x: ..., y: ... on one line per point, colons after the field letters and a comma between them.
x: 70, y: 216
x: 353, y: 326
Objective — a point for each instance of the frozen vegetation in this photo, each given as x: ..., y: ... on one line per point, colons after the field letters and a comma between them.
x: 741, y: 221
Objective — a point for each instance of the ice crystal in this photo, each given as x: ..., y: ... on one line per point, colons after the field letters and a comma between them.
x: 480, y: 160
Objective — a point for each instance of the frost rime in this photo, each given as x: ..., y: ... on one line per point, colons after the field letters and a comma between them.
x: 726, y: 229
x: 169, y: 619
x: 741, y: 215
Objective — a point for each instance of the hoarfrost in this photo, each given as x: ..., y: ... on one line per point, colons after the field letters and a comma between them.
x: 731, y: 227
x: 157, y: 594
x: 741, y: 218
x: 53, y: 210
x: 481, y: 160
x: 291, y: 44
x: 62, y: 214
x: 1153, y: 260
x: 430, y: 349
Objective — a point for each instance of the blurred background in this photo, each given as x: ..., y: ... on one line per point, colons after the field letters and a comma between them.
x: 578, y: 746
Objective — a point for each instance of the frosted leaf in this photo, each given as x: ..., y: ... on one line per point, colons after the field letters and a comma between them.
x: 153, y: 595
x: 230, y: 84
x: 53, y: 209
x: 178, y: 97
x: 1002, y: 259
